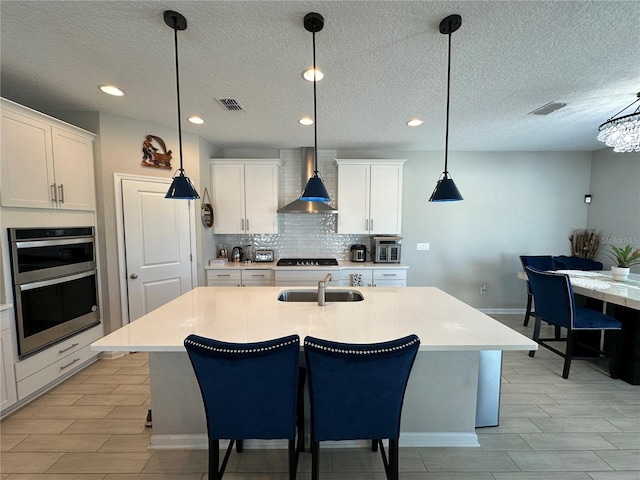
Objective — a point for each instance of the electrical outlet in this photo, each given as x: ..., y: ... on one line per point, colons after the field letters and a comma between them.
x: 422, y: 246
x: 483, y: 289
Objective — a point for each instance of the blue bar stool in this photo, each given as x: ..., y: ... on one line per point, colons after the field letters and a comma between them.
x: 249, y: 390
x: 356, y: 392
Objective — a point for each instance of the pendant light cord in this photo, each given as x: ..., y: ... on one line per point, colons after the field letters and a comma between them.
x: 315, y: 123
x: 446, y: 135
x: 175, y: 37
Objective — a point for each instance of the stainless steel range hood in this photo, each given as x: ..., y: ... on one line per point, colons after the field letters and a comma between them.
x: 300, y: 206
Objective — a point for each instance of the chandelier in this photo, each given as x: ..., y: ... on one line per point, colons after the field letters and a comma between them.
x: 622, y: 133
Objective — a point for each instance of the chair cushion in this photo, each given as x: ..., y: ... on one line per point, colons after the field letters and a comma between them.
x: 587, y: 319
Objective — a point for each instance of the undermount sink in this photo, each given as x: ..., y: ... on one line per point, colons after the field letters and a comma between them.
x: 312, y: 296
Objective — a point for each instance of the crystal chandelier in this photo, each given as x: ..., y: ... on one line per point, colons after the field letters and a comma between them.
x: 622, y: 133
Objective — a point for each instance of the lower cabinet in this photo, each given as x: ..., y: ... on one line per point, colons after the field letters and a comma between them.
x: 249, y: 277
x: 56, y: 362
x: 308, y: 277
x: 373, y: 277
x: 8, y: 393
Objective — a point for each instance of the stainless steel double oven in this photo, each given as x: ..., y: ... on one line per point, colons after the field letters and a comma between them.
x: 54, y: 284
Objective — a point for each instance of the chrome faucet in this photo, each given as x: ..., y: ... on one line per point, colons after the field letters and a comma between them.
x: 322, y: 285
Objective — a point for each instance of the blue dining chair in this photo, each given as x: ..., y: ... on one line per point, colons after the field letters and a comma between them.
x: 356, y: 392
x: 555, y: 304
x: 539, y: 262
x: 564, y: 262
x: 249, y: 391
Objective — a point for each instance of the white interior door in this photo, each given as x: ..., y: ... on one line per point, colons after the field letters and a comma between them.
x: 157, y: 237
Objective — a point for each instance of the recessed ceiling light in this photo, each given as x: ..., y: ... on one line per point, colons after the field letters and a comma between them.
x: 111, y: 90
x: 305, y: 121
x: 414, y: 122
x: 197, y: 120
x: 310, y: 74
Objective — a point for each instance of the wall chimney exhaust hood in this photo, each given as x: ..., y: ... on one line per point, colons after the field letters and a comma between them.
x: 300, y: 206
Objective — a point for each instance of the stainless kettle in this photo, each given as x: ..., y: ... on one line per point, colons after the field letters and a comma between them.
x: 236, y: 254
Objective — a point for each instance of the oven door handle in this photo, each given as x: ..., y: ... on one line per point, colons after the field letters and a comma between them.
x: 56, y: 281
x: 51, y: 243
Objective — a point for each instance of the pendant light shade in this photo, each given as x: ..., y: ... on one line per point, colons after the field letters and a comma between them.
x: 181, y: 187
x: 315, y: 190
x: 446, y: 190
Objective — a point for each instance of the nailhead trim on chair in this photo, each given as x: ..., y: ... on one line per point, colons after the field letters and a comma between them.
x: 233, y: 350
x: 362, y: 352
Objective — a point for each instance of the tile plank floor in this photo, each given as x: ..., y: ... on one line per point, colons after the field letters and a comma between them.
x: 91, y: 427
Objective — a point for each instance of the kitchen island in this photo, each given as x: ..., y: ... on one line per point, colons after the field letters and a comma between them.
x: 442, y: 394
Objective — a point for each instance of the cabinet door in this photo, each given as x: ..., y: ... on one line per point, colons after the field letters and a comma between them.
x: 73, y: 160
x: 353, y: 199
x: 227, y: 184
x: 27, y: 162
x: 261, y: 198
x: 386, y: 199
x: 224, y: 278
x: 8, y: 394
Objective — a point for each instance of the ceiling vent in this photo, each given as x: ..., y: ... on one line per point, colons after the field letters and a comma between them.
x: 230, y: 104
x: 548, y: 108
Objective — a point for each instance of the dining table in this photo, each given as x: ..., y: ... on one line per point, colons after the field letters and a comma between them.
x: 619, y: 299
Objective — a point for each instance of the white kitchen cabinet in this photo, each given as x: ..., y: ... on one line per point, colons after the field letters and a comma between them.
x: 52, y: 365
x: 356, y: 277
x: 373, y: 277
x: 240, y: 277
x: 258, y: 277
x: 369, y: 196
x: 224, y: 277
x: 46, y: 163
x: 8, y: 392
x: 388, y: 277
x: 245, y: 195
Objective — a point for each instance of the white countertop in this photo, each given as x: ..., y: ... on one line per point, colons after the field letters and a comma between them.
x: 342, y: 264
x: 600, y: 285
x: 251, y: 314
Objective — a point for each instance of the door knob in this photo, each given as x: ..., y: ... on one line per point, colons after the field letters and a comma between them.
x: 133, y: 276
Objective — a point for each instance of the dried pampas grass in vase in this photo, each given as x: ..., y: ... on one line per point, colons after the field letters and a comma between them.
x: 585, y: 242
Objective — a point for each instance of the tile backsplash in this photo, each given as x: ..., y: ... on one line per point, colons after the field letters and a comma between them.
x: 301, y: 235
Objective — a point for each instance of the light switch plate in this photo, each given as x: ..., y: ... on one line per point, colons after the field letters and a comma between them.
x: 422, y: 246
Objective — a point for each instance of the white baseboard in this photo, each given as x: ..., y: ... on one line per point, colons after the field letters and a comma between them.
x: 502, y: 311
x: 408, y: 439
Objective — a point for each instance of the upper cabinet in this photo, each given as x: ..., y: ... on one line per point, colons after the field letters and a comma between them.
x: 245, y: 195
x: 369, y: 196
x: 46, y: 163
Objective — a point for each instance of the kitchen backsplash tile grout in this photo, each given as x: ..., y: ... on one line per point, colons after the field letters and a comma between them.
x: 301, y: 235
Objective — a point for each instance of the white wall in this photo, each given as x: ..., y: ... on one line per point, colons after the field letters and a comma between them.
x: 615, y: 207
x: 515, y: 203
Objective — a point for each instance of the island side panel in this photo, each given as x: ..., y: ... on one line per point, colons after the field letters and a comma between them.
x: 439, y: 407
x: 440, y: 401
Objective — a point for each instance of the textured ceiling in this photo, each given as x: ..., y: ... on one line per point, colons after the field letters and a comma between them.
x: 384, y: 63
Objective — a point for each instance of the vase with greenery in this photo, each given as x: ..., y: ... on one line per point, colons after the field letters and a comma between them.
x: 624, y: 258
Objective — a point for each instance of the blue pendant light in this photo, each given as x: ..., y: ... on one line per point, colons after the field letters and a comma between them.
x: 446, y: 190
x: 315, y: 190
x: 181, y: 187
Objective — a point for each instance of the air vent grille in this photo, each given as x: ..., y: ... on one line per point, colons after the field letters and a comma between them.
x: 231, y: 104
x: 548, y: 108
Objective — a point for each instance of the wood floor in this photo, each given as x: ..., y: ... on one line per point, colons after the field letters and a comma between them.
x: 91, y: 427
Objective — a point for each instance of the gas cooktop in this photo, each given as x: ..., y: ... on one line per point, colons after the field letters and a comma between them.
x: 307, y: 262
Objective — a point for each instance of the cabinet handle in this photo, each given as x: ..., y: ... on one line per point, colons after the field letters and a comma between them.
x: 366, y: 224
x: 61, y: 191
x: 242, y: 224
x: 389, y: 275
x: 54, y: 193
x: 223, y: 275
x: 75, y: 360
x: 371, y: 224
x: 256, y: 275
x: 247, y: 224
x: 68, y: 348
